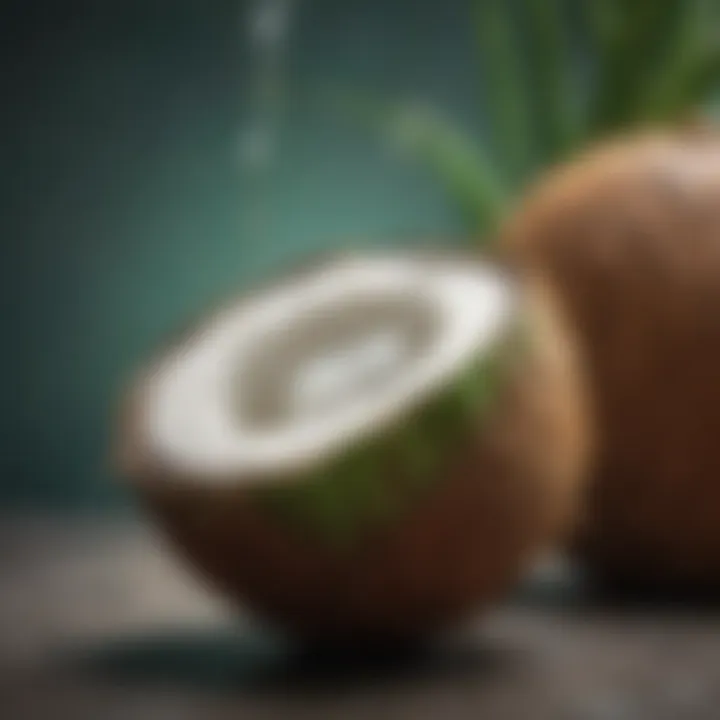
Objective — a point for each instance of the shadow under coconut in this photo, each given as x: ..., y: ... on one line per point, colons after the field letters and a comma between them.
x: 630, y: 596
x: 226, y: 662
x: 557, y: 586
x: 578, y: 591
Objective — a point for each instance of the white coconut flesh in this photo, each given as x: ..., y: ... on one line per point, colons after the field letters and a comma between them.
x: 300, y: 372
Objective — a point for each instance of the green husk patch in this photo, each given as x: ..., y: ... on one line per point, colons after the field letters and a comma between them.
x: 374, y: 481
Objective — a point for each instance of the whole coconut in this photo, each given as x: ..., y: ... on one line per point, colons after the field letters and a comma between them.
x: 379, y: 531
x: 629, y: 237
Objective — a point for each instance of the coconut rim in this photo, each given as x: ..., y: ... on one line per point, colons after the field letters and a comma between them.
x: 141, y: 463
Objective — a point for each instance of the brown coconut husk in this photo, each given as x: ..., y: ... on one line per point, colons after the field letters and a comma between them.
x: 629, y: 236
x: 502, y: 498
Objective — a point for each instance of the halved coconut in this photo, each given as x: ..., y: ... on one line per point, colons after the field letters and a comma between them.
x: 376, y: 445
x: 629, y: 235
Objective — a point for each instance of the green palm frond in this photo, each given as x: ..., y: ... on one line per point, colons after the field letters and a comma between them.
x: 604, y: 18
x: 687, y: 70
x: 629, y: 61
x: 457, y: 159
x: 658, y: 60
x: 506, y: 89
x: 653, y: 60
x: 701, y: 82
x: 556, y: 117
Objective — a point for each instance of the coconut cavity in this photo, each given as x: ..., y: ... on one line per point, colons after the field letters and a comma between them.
x: 337, y: 398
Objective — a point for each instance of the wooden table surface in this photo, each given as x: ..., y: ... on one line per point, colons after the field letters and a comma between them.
x: 97, y: 622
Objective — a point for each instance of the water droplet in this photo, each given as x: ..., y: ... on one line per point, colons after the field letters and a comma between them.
x: 269, y: 22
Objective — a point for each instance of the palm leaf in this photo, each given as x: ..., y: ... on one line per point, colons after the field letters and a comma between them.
x: 631, y: 62
x: 700, y: 83
x: 505, y: 84
x: 687, y: 70
x: 458, y: 161
x: 556, y: 116
x: 605, y: 19
x: 654, y: 60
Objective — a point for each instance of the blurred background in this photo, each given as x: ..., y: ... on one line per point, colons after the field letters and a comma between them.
x: 158, y: 154
x: 140, y: 154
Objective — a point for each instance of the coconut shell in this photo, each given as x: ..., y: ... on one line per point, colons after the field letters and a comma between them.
x: 504, y: 495
x: 629, y: 237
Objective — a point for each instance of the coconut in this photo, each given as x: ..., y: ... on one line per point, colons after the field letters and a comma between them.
x: 373, y: 447
x: 629, y: 236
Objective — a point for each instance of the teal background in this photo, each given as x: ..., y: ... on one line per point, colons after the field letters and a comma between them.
x: 124, y: 208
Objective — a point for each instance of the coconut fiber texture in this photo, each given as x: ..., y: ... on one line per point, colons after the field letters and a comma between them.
x: 498, y: 494
x: 629, y: 236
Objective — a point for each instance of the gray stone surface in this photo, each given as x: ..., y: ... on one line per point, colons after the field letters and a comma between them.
x: 98, y: 621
